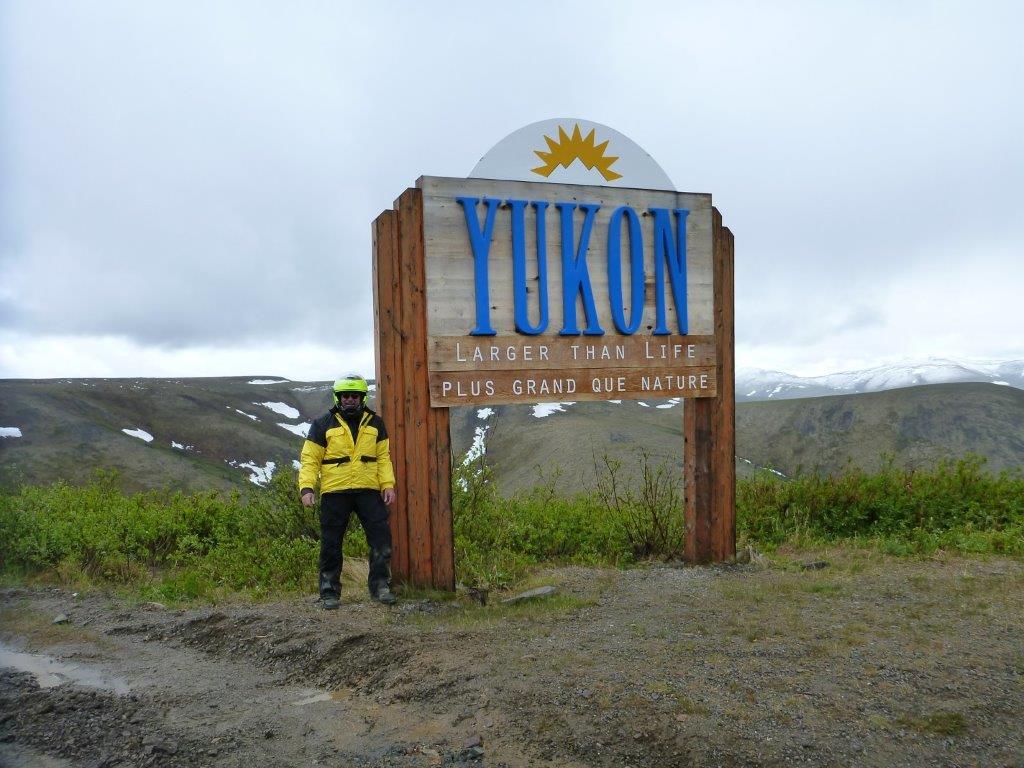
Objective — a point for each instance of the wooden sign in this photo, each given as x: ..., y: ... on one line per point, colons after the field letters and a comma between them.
x: 587, y: 293
x: 526, y: 291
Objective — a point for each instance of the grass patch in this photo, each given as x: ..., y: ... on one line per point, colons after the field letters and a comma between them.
x: 687, y: 706
x: 38, y: 628
x: 941, y: 723
x: 172, y: 547
x: 471, y: 616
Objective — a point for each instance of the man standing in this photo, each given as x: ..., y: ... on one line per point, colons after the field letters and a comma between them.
x: 347, y: 450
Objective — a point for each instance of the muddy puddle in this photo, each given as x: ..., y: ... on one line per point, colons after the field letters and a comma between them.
x: 315, y: 698
x: 50, y: 673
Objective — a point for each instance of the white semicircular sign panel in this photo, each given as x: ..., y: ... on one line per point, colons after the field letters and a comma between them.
x: 572, y: 151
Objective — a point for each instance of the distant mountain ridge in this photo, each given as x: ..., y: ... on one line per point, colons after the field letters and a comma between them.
x: 200, y: 433
x: 754, y: 384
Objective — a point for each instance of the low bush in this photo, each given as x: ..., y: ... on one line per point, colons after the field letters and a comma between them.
x: 953, y: 506
x: 167, y: 543
x: 497, y: 539
x: 175, y: 546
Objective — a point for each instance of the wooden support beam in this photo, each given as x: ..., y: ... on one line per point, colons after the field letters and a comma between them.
x: 387, y: 304
x: 709, y: 428
x: 697, y: 486
x: 441, y: 534
x: 416, y: 401
x: 723, y: 425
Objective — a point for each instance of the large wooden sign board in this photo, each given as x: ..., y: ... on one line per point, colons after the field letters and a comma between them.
x: 489, y: 292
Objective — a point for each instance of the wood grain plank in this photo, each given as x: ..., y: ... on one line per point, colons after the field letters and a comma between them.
x: 697, y: 486
x: 723, y: 538
x: 497, y: 353
x: 441, y: 533
x: 450, y: 270
x: 414, y: 383
x: 455, y: 388
x: 388, y: 354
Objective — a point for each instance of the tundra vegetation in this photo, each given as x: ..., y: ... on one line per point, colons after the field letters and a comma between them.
x: 174, y: 546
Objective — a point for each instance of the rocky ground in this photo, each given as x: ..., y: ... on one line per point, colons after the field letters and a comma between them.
x: 820, y: 659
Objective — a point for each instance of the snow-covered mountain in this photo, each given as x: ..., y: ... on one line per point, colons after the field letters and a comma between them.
x: 758, y: 384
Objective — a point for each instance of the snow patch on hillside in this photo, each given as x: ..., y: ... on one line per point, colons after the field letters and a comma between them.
x: 478, y: 448
x: 139, y: 433
x: 313, y: 388
x: 299, y: 429
x: 247, y: 415
x: 281, y: 408
x: 182, y: 446
x: 268, y: 381
x: 257, y: 474
x: 540, y: 410
x: 10, y: 432
x: 762, y: 384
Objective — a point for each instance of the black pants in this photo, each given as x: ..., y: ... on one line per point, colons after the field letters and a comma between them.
x: 335, y: 511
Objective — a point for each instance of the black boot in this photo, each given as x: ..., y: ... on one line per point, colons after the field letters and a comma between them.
x: 379, y: 581
x: 330, y: 589
x: 383, y: 594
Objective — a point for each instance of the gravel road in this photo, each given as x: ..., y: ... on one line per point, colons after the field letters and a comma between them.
x: 814, y: 658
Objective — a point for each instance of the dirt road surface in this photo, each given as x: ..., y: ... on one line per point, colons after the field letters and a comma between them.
x: 823, y: 659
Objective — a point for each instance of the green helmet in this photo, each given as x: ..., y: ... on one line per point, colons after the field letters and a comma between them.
x: 350, y: 383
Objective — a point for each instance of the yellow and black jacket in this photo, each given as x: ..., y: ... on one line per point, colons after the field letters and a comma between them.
x: 342, y: 462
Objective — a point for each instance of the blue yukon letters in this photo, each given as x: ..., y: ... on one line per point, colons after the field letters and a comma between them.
x: 669, y: 238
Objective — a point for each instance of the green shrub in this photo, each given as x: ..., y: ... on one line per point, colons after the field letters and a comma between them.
x: 954, y: 506
x: 170, y: 544
x: 173, y: 546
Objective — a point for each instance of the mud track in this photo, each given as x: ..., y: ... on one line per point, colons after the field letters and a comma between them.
x: 865, y: 661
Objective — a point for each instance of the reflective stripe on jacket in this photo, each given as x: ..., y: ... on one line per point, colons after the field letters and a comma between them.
x: 343, y: 463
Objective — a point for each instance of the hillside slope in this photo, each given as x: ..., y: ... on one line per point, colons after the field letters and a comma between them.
x: 223, y: 432
x: 917, y: 426
x: 203, y: 430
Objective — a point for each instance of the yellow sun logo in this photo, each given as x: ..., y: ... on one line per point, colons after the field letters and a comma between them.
x: 569, y: 148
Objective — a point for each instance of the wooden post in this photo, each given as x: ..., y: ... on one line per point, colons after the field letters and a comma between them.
x: 420, y: 439
x: 388, y: 326
x: 709, y: 429
x: 723, y: 414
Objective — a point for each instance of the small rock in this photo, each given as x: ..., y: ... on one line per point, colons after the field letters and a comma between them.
x: 474, y: 741
x: 814, y: 565
x: 154, y: 606
x: 474, y: 753
x: 268, y: 734
x: 61, y: 618
x: 749, y: 556
x: 531, y: 594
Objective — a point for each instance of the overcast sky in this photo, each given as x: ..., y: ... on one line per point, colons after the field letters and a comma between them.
x: 186, y: 188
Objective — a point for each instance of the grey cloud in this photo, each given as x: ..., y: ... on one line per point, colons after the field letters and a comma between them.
x: 191, y: 174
